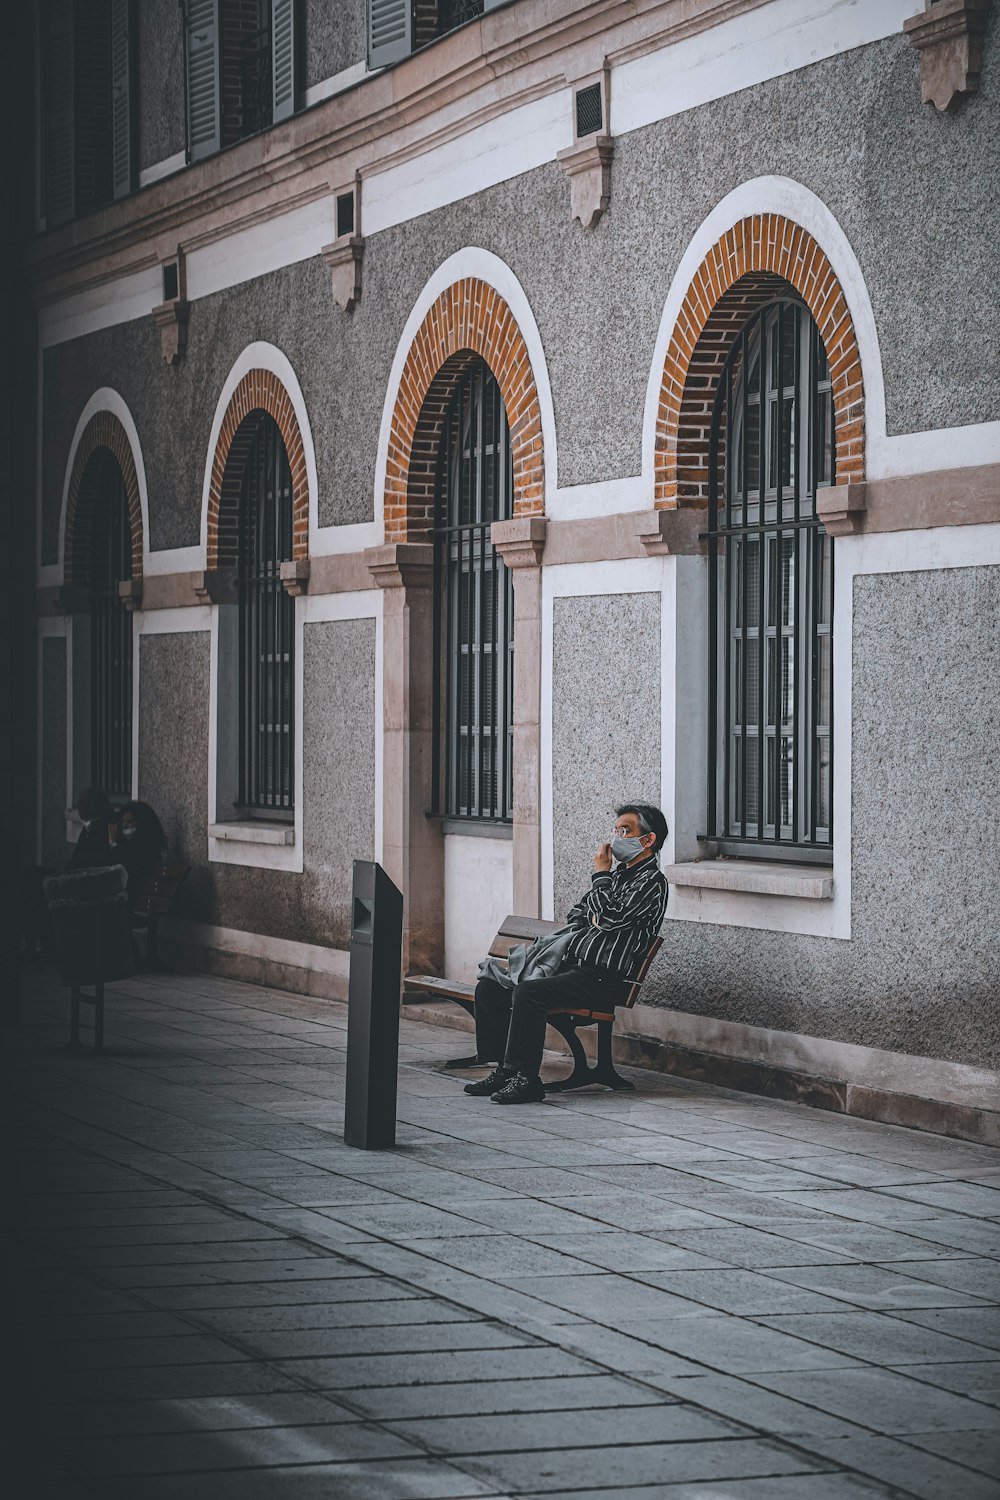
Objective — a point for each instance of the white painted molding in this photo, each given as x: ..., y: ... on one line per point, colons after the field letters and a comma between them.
x: 121, y: 300
x: 754, y: 46
x: 470, y: 261
x: 607, y: 497
x: 336, y: 961
x: 103, y: 399
x: 347, y: 78
x: 278, y: 834
x: 161, y: 169
x: 518, y: 141
x: 260, y: 356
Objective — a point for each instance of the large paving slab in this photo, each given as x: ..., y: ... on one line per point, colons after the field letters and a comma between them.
x: 681, y: 1292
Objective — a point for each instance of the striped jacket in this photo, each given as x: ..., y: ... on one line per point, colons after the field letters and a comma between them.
x: 619, y: 917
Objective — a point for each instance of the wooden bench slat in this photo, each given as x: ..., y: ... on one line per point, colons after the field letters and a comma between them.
x: 454, y: 989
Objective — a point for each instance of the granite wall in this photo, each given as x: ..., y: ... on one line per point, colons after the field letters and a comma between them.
x: 902, y: 180
x: 160, y: 114
x: 335, y: 38
x: 338, y: 769
x: 605, y: 725
x: 173, y: 752
x: 921, y: 971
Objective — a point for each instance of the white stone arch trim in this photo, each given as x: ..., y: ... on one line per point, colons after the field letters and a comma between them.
x: 471, y: 261
x: 260, y: 356
x: 105, y: 399
x: 785, y: 196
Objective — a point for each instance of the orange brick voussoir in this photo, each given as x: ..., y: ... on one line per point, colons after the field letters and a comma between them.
x: 104, y: 430
x: 760, y: 247
x: 468, y: 316
x: 259, y: 390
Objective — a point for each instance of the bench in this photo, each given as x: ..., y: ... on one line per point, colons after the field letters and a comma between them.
x: 514, y: 930
x: 150, y: 898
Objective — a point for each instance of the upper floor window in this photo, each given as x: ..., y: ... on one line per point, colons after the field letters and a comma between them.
x: 398, y: 27
x: 771, y: 592
x: 474, y: 655
x: 243, y: 70
x: 87, y: 52
x: 266, y: 626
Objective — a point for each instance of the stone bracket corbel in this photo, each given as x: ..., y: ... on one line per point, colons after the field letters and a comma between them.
x: 520, y: 541
x: 171, y: 318
x: 672, y: 533
x: 842, y: 508
x: 130, y: 593
x: 215, y: 586
x: 294, y: 576
x: 406, y: 565
x: 587, y: 164
x: 343, y: 259
x: 949, y: 37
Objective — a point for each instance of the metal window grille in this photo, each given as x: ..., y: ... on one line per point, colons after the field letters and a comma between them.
x: 266, y: 626
x: 453, y: 13
x: 110, y: 632
x: 474, y: 616
x: 771, y: 592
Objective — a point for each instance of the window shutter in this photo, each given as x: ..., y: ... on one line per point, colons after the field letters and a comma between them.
x: 122, y: 43
x: 60, y: 113
x: 203, y: 78
x: 284, y: 52
x: 390, y: 31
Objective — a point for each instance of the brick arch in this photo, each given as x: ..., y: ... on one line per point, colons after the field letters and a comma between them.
x: 258, y: 391
x: 469, y: 318
x: 104, y: 430
x: 756, y: 260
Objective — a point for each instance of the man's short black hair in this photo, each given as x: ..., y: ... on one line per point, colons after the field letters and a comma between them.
x: 651, y: 820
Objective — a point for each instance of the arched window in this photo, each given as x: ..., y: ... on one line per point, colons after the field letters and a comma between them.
x: 771, y: 591
x: 109, y: 562
x: 474, y: 655
x: 266, y: 621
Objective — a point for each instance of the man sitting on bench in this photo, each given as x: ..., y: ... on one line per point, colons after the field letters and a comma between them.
x: 614, y: 923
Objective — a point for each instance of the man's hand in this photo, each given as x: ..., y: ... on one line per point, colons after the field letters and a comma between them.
x: 602, y: 859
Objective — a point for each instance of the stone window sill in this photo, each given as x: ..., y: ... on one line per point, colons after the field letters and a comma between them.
x: 253, y: 833
x: 756, y: 877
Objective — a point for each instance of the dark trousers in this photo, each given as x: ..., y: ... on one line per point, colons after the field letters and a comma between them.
x: 510, y: 1024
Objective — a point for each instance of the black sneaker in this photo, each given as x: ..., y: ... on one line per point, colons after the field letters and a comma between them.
x: 520, y: 1089
x: 489, y: 1085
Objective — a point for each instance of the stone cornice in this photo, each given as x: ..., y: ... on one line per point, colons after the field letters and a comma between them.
x: 509, y: 58
x: 405, y: 565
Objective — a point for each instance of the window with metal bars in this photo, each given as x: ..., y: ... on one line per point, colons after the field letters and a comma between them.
x: 771, y: 592
x: 474, y: 615
x: 110, y: 557
x: 266, y: 628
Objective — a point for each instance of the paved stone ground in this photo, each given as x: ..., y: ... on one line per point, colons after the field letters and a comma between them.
x: 682, y: 1292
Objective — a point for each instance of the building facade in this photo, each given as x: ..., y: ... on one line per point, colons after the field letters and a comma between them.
x: 456, y: 418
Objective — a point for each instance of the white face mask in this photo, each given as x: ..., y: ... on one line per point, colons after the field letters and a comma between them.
x: 128, y: 833
x: 86, y: 822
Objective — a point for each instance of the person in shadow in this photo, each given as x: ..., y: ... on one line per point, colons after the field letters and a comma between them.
x: 137, y: 841
x: 93, y: 847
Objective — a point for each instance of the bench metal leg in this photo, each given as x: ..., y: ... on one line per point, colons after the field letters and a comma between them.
x: 583, y: 1074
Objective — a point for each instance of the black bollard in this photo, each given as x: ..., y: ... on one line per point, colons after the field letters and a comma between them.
x: 373, y: 1009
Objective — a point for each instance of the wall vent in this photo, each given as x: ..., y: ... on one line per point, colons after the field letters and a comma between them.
x: 345, y: 214
x: 589, y: 110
